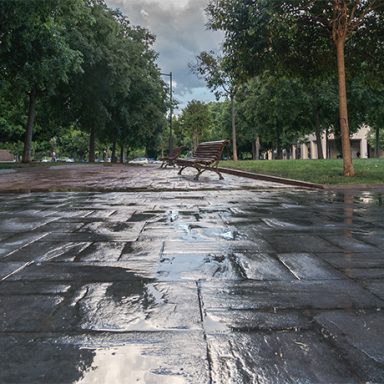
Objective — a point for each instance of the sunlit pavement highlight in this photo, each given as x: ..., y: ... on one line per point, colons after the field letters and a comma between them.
x: 229, y: 281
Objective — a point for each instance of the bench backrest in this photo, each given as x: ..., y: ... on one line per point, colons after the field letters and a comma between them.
x: 175, y: 153
x: 210, y: 149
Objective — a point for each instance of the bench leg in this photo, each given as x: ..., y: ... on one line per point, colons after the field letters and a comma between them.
x: 200, y: 171
x: 181, y: 170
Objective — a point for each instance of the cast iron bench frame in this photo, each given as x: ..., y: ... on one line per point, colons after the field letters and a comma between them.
x: 205, y: 158
x: 171, y: 158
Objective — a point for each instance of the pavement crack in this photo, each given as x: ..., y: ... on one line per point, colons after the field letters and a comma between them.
x: 209, y: 358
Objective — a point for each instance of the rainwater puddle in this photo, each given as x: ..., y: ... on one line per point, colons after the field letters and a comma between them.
x: 195, y: 266
x: 127, y: 364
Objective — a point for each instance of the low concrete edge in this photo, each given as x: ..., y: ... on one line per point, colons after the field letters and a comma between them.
x: 276, y: 179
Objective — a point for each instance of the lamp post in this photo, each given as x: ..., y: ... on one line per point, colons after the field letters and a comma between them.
x: 170, y: 140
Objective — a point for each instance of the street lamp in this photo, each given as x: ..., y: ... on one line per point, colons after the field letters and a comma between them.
x: 170, y: 143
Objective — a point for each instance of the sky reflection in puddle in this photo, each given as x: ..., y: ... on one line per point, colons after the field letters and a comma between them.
x: 127, y: 364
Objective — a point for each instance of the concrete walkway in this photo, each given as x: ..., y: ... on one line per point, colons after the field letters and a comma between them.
x: 116, y: 177
x: 175, y: 281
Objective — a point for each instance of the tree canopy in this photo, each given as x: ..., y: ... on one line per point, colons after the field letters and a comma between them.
x: 85, y: 65
x: 310, y: 39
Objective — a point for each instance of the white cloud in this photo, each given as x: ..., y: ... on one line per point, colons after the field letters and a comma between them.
x: 144, y: 13
x: 181, y: 34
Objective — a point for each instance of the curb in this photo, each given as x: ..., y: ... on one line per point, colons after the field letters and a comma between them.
x: 276, y: 179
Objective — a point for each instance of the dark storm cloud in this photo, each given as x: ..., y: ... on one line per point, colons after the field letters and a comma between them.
x: 181, y: 34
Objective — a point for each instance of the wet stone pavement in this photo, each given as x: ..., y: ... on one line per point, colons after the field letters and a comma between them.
x: 209, y: 286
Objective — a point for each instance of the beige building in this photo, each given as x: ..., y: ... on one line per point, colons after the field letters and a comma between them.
x: 308, y: 150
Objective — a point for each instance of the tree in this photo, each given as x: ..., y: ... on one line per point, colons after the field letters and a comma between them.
x: 119, y: 96
x: 12, y: 117
x: 35, y: 51
x: 375, y: 118
x: 376, y: 141
x: 140, y: 108
x: 278, y: 109
x: 195, y: 120
x: 297, y: 35
x: 212, y: 68
x: 73, y: 143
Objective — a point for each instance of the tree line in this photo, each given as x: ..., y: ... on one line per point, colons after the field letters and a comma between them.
x: 293, y: 67
x: 78, y: 76
x: 75, y: 73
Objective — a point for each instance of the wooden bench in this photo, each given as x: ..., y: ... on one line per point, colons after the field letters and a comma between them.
x: 171, y: 158
x: 206, y: 158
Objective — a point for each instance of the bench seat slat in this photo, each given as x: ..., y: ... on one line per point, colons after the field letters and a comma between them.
x: 206, y: 157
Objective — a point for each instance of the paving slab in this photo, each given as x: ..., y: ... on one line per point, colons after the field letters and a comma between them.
x: 156, y: 357
x: 283, y: 295
x: 358, y: 334
x: 205, y: 282
x: 289, y: 357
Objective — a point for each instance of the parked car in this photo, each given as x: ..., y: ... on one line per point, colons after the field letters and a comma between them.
x: 154, y: 161
x: 65, y: 160
x: 139, y: 160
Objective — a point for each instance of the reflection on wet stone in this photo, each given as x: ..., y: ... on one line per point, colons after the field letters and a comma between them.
x: 283, y: 357
x: 231, y: 286
x: 136, y: 305
x: 156, y: 357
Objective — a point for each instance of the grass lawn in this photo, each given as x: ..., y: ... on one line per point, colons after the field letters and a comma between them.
x: 368, y: 171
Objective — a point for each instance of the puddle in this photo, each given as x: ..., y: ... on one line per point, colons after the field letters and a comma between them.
x: 127, y: 364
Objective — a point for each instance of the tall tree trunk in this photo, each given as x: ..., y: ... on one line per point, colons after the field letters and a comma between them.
x: 320, y: 154
x: 233, y: 118
x: 377, y: 143
x: 122, y: 153
x: 29, y: 127
x: 113, y: 155
x: 343, y: 110
x: 257, y: 145
x: 92, y: 145
x: 340, y: 31
x: 256, y: 148
x: 279, y: 152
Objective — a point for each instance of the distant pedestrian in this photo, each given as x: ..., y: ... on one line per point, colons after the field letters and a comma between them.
x: 358, y: 155
x: 53, y: 156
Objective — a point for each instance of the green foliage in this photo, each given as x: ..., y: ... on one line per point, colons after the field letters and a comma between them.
x: 88, y: 69
x: 368, y: 171
x: 295, y: 40
x: 35, y: 48
x: 195, y: 121
x: 278, y: 109
x: 295, y: 36
x: 120, y: 95
x: 215, y: 72
x: 12, y: 118
x: 72, y: 143
x: 220, y: 120
x: 35, y: 52
x: 372, y: 138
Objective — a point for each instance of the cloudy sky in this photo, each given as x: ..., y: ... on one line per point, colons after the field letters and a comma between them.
x: 181, y: 34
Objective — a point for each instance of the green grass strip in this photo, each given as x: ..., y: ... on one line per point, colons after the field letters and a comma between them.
x: 329, y: 172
